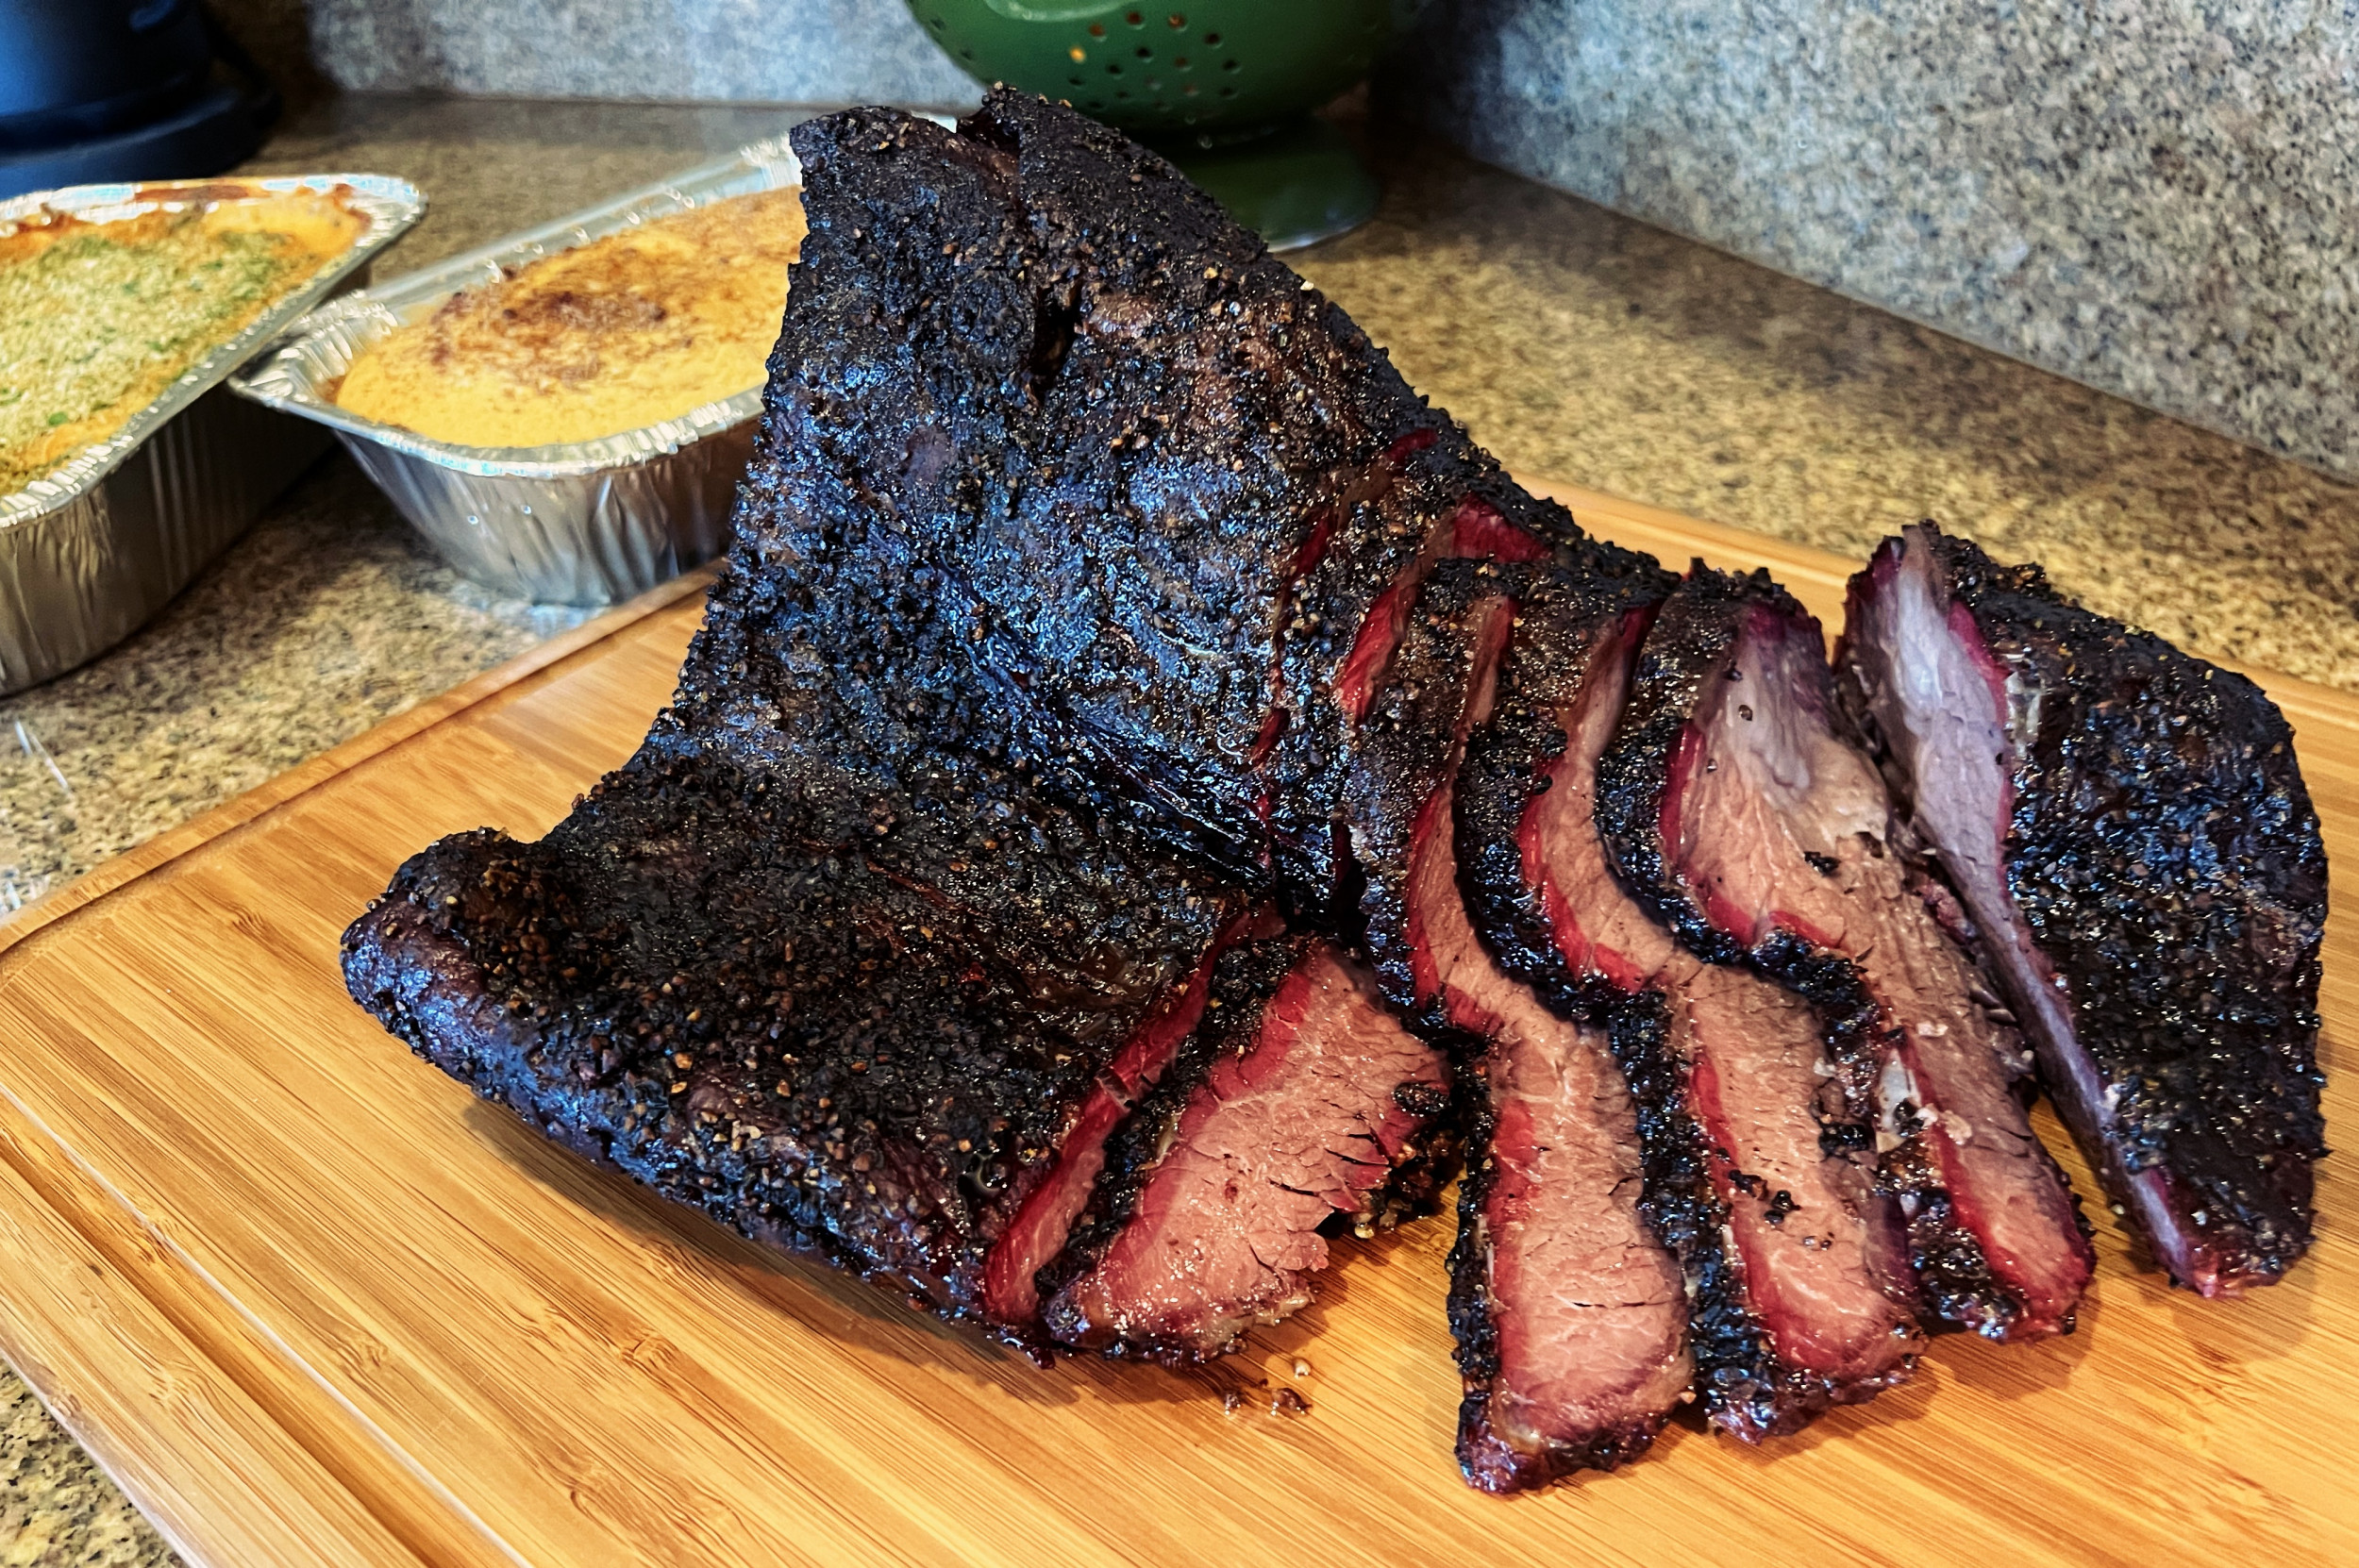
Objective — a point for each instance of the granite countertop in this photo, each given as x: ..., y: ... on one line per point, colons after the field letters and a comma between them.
x: 1577, y: 344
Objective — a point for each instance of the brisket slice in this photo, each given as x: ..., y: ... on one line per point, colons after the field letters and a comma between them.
x: 1735, y: 804
x: 1535, y: 875
x: 1176, y: 504
x: 1755, y: 1170
x: 1295, y: 1104
x: 2127, y: 826
x: 1042, y: 1225
x: 1571, y: 1317
x: 1798, y: 1278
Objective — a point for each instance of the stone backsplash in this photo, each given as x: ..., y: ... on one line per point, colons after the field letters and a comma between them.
x: 2156, y: 197
x: 775, y: 51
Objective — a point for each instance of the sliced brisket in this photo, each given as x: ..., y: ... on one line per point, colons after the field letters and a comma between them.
x: 1112, y: 645
x: 1572, y: 1316
x: 1736, y: 806
x: 1535, y: 871
x: 2127, y: 829
x: 1297, y: 1102
x: 1036, y: 1237
x: 1754, y: 1166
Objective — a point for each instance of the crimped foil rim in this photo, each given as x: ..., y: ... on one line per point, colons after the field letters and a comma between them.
x: 280, y: 378
x: 389, y: 205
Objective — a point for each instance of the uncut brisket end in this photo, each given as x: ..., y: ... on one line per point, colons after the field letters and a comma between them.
x: 2128, y: 828
x: 1736, y: 806
x: 869, y: 1054
x: 822, y: 959
x: 1754, y: 1168
x: 1174, y: 500
x: 1296, y: 1105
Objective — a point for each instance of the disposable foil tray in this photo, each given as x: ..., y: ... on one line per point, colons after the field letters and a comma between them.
x: 92, y: 549
x: 584, y: 522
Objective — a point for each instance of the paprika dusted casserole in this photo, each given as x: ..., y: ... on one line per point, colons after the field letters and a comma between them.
x: 616, y: 335
x: 98, y: 318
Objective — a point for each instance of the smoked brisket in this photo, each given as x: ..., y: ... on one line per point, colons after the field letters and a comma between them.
x: 1149, y: 786
x: 1736, y: 806
x: 2128, y: 830
x: 869, y: 1051
x: 1755, y: 1169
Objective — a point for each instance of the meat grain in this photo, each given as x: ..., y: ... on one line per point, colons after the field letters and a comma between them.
x: 1755, y: 1170
x: 1735, y: 804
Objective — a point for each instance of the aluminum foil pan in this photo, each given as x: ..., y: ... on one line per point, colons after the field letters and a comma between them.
x: 91, y: 550
x: 586, y: 523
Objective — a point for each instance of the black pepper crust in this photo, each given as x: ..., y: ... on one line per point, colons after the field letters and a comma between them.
x: 1486, y: 1461
x: 2164, y: 852
x: 1155, y: 476
x: 1692, y: 644
x: 865, y: 1049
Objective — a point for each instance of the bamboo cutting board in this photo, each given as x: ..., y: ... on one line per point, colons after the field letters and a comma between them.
x: 310, y: 1301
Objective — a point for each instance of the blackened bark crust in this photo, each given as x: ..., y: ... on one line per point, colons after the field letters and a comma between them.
x: 2164, y: 852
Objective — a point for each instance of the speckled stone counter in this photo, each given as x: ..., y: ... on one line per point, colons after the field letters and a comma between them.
x: 1577, y: 344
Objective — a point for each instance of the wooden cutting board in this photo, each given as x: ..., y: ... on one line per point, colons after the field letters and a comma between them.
x: 310, y: 1301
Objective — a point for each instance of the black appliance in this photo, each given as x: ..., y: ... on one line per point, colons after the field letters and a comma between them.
x: 122, y: 89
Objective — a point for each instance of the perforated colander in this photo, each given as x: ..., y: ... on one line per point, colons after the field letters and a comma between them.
x: 1223, y: 86
x: 1212, y: 66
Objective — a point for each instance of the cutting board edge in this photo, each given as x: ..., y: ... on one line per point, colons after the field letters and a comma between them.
x: 57, y: 1240
x: 281, y: 1500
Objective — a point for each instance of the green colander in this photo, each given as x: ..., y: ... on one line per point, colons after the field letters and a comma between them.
x: 1223, y: 88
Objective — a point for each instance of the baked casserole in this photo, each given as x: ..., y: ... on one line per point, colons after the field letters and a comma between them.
x: 97, y: 318
x: 623, y: 333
